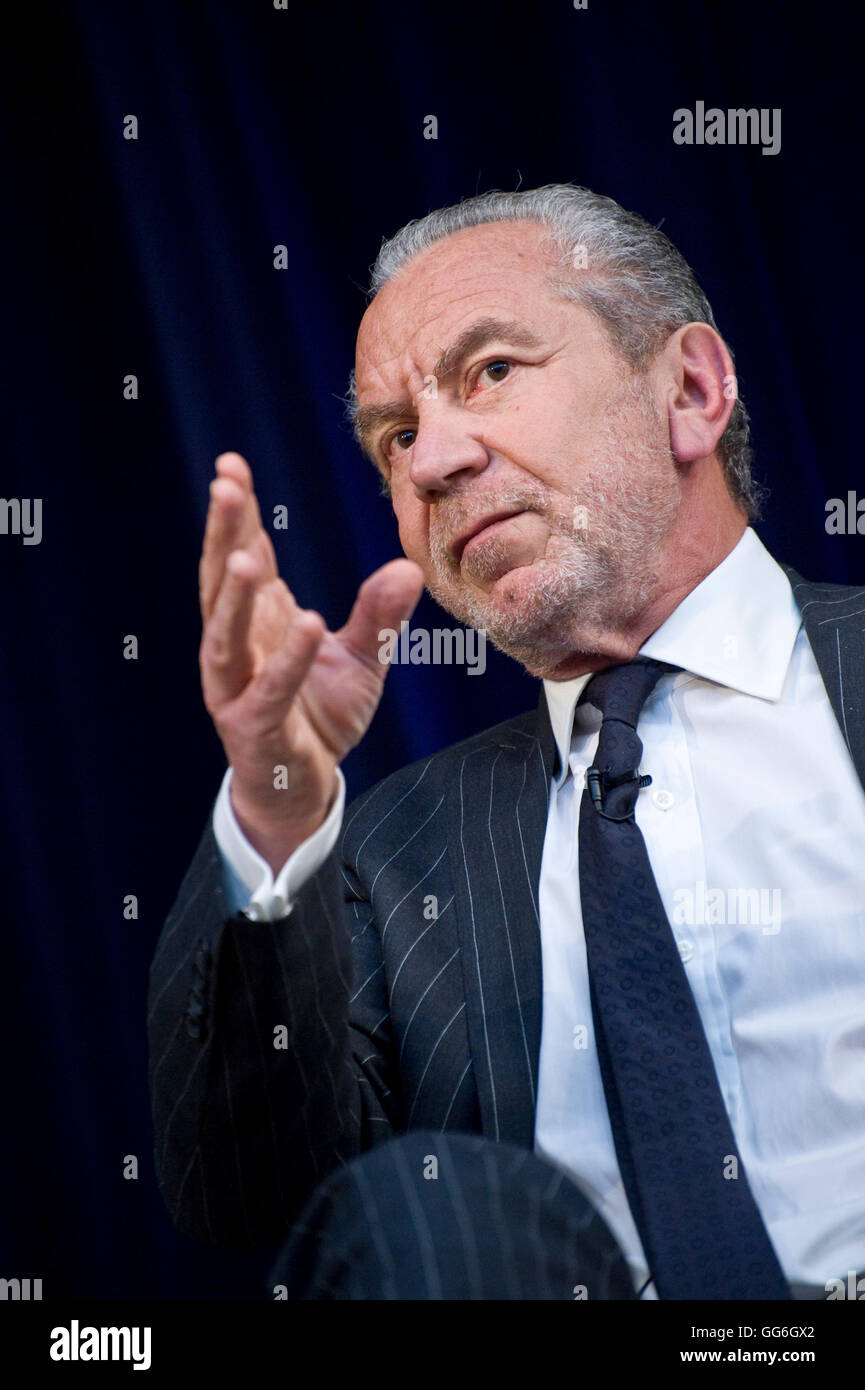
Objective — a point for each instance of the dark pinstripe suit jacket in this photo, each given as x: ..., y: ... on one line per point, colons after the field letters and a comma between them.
x: 408, y: 976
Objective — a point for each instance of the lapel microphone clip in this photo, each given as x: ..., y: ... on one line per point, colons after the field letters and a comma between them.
x: 599, y: 786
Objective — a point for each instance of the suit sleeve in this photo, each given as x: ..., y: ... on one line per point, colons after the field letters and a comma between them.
x: 271, y: 1055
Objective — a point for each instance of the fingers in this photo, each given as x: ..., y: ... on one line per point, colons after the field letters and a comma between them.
x: 233, y: 523
x: 227, y: 658
x: 252, y: 533
x: 226, y: 654
x: 232, y: 465
x: 383, y: 601
x: 275, y: 689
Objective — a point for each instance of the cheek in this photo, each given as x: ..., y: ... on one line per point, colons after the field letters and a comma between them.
x: 544, y: 424
x: 413, y: 521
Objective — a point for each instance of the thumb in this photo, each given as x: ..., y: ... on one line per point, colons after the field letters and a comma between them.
x: 384, y: 600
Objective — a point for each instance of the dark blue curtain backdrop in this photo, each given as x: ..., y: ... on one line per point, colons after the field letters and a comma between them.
x: 154, y: 257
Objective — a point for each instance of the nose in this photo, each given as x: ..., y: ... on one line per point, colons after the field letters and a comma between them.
x: 447, y: 447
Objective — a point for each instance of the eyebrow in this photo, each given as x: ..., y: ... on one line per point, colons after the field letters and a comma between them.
x: 478, y: 335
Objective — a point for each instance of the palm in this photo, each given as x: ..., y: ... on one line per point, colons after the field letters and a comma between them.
x: 343, y: 686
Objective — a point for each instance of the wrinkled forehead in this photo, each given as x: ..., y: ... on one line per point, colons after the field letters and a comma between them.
x: 499, y: 268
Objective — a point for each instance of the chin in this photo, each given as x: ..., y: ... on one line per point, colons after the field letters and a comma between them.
x: 527, y: 613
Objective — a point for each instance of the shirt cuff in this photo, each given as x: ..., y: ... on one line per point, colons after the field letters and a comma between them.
x: 268, y: 899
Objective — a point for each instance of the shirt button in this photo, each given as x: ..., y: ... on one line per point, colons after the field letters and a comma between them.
x: 686, y: 949
x: 663, y: 799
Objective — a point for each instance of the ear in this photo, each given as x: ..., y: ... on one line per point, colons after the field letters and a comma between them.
x: 698, y: 381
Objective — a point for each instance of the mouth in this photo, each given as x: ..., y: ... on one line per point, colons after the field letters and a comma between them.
x: 481, y: 526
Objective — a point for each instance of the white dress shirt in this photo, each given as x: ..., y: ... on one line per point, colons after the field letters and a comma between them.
x: 249, y: 882
x: 755, y: 828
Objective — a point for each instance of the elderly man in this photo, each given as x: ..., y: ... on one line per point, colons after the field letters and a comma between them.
x: 573, y: 1008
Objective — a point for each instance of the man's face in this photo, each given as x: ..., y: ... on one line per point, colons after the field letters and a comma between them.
x: 529, y: 468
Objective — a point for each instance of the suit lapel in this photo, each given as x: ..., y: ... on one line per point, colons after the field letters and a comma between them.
x: 497, y: 820
x: 834, y: 617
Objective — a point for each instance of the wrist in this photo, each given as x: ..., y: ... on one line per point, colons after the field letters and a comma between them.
x: 276, y: 830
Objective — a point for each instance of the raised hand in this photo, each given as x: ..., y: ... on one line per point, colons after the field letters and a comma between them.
x: 282, y: 690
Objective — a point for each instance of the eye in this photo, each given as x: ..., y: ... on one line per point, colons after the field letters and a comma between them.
x: 399, y: 442
x: 493, y: 372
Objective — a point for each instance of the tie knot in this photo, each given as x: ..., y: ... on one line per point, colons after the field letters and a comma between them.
x: 620, y: 692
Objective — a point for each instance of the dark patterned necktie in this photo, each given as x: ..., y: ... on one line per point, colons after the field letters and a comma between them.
x: 702, y: 1232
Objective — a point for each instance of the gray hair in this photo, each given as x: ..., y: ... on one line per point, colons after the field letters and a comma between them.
x: 633, y: 279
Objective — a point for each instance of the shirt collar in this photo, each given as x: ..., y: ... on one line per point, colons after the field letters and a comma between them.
x: 737, y: 628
